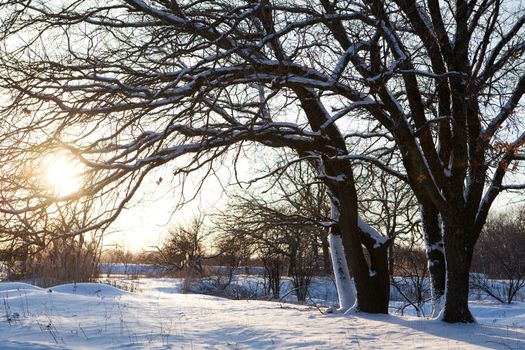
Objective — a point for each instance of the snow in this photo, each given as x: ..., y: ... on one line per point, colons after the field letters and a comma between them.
x: 88, y: 289
x: 435, y: 247
x: 342, y: 274
x: 97, y: 316
x: 372, y: 232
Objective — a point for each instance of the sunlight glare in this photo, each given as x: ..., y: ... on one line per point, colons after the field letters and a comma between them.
x: 62, y: 177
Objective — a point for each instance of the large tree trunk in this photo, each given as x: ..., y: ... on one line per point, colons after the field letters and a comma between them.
x: 379, y: 283
x: 435, y: 255
x: 458, y: 267
x: 371, y: 281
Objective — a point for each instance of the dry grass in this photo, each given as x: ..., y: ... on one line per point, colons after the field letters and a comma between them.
x: 63, y: 262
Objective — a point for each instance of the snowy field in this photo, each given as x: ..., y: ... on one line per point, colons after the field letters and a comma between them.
x: 97, y: 316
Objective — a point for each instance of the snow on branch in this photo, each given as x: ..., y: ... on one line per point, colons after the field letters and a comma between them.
x: 372, y: 234
x: 376, y: 162
x: 354, y: 105
x: 506, y: 110
x: 345, y: 58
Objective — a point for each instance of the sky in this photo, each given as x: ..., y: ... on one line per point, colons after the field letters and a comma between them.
x: 145, y: 224
x: 153, y: 210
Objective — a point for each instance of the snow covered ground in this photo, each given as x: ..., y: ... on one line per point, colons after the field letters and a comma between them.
x: 97, y: 316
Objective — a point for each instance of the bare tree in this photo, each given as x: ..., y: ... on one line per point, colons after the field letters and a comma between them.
x: 193, y: 121
x: 500, y: 255
x: 233, y: 254
x: 131, y: 85
x: 281, y: 238
x: 184, y: 248
x: 307, y: 206
x: 411, y: 277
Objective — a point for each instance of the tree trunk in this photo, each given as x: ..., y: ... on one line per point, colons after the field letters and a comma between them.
x: 343, y: 283
x: 379, y: 281
x: 435, y: 255
x: 292, y: 262
x: 372, y: 282
x: 458, y: 267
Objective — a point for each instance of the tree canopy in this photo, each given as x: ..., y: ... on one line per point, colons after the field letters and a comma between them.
x: 431, y: 92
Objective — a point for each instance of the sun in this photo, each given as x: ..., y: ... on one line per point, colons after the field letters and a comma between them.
x: 62, y: 176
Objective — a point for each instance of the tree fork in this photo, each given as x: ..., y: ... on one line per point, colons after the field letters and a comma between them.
x: 372, y: 282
